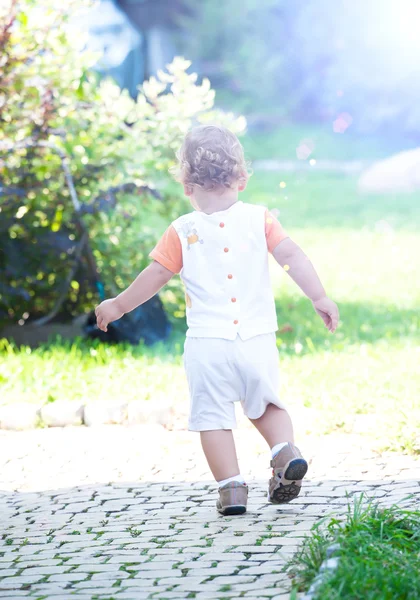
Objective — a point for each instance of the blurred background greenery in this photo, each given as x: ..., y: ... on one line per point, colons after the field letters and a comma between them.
x: 318, y: 90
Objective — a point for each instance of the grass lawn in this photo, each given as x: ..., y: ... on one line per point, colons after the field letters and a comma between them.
x: 377, y: 557
x: 281, y: 143
x: 365, y: 250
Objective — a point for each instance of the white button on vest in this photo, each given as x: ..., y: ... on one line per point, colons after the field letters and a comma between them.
x: 225, y: 273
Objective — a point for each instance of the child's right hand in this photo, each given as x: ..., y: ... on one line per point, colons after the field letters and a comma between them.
x: 106, y: 312
x: 328, y: 311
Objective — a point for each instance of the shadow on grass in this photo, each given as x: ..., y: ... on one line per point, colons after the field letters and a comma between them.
x: 299, y: 326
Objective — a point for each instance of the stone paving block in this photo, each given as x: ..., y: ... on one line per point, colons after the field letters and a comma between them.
x: 19, y: 581
x: 127, y: 557
x: 20, y: 415
x: 95, y: 586
x: 169, y: 581
x: 234, y: 580
x: 310, y: 510
x: 224, y: 556
x: 68, y: 595
x: 28, y: 539
x: 135, y: 594
x: 137, y: 546
x: 214, y: 571
x: 61, y: 413
x: 24, y: 550
x: 327, y: 499
x: 167, y: 595
x: 79, y: 595
x: 277, y: 580
x: 259, y: 587
x: 168, y: 557
x: 253, y: 596
x: 70, y: 549
x: 239, y: 541
x: 17, y: 594
x: 215, y: 547
x: 47, y: 554
x: 280, y: 541
x: 149, y: 586
x: 253, y: 549
x: 42, y: 571
x: 187, y: 544
x: 113, y: 505
x: 88, y: 568
x: 47, y: 588
x: 68, y: 577
x: 102, y: 413
x: 187, y: 586
x: 85, y: 559
x: 158, y: 566
x: 76, y: 507
x: 204, y: 595
x: 261, y: 570
x: 104, y: 593
x: 198, y: 564
x: 264, y: 593
x: 7, y: 572
x: 230, y: 594
x: 110, y: 575
x: 256, y: 559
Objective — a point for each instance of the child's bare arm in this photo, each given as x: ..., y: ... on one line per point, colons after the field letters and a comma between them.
x: 146, y: 285
x: 295, y: 262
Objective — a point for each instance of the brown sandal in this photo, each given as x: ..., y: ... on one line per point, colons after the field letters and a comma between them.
x: 289, y: 468
x: 233, y: 498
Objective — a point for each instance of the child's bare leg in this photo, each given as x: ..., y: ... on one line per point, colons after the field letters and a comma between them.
x: 219, y: 448
x: 275, y: 426
x: 289, y: 467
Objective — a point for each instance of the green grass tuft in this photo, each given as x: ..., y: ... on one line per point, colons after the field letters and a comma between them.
x: 378, y: 555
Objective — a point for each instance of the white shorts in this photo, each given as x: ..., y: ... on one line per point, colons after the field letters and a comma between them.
x: 221, y: 372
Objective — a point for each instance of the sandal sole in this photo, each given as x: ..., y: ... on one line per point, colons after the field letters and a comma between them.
x: 286, y: 492
x: 296, y: 470
x: 236, y: 509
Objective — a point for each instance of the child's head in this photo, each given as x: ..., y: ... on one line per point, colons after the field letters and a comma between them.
x: 211, y: 158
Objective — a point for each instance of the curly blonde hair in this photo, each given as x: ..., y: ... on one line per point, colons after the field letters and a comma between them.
x: 211, y: 157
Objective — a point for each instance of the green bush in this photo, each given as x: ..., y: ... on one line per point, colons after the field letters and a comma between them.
x: 243, y: 48
x: 52, y: 100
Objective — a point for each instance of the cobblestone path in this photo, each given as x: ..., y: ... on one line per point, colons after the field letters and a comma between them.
x: 118, y: 512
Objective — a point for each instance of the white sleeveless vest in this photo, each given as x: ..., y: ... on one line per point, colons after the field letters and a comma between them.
x: 225, y: 273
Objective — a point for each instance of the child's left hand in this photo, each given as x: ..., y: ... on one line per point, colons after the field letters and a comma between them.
x: 328, y: 311
x: 106, y: 312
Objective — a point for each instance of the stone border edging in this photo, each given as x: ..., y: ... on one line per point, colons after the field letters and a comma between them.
x: 329, y: 565
x: 62, y: 413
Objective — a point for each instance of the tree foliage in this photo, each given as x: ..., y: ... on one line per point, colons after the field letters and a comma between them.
x: 241, y: 46
x: 311, y: 59
x: 52, y: 104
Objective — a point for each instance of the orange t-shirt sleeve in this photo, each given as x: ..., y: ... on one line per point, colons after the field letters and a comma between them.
x: 274, y: 232
x: 168, y: 251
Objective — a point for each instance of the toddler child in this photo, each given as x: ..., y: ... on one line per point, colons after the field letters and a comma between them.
x: 221, y: 252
